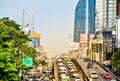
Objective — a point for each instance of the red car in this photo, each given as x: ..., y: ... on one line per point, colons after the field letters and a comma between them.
x: 107, y: 76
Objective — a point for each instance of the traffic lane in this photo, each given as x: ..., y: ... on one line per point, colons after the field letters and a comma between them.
x: 99, y: 71
x: 88, y: 70
x: 84, y: 66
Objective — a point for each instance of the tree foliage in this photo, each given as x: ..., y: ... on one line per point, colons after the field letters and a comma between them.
x: 13, y: 47
x: 115, y: 59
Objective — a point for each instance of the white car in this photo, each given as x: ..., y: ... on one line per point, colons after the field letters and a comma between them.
x: 72, y: 70
x: 93, y: 74
x: 77, y: 78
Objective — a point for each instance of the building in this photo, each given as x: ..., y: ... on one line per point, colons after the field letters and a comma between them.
x: 109, y: 13
x: 84, y: 18
x: 99, y: 14
x: 84, y: 24
x: 116, y: 43
x: 105, y: 22
x: 96, y: 49
x: 35, y: 37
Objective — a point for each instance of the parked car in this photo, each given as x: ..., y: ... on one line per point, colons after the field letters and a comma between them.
x: 107, y: 76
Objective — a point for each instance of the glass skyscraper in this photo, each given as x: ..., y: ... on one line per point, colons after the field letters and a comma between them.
x: 84, y: 18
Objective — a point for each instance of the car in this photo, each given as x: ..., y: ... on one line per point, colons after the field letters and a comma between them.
x: 77, y: 78
x: 89, y: 65
x: 85, y: 59
x: 107, y: 76
x: 72, y: 70
x: 74, y: 74
x: 62, y: 69
x: 60, y: 64
x: 93, y: 74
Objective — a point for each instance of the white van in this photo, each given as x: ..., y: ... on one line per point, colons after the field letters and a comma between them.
x: 62, y: 70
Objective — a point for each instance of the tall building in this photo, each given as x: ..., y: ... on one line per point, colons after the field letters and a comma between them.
x: 105, y: 21
x: 105, y: 13
x: 99, y: 14
x: 110, y: 13
x: 84, y: 18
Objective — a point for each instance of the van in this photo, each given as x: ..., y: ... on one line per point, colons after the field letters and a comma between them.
x: 62, y: 70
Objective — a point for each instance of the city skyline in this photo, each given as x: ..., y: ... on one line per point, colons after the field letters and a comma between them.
x: 54, y: 20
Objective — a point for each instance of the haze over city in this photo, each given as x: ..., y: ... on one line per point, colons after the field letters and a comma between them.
x: 53, y: 19
x: 65, y: 40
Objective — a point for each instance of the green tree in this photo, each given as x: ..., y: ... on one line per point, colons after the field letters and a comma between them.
x: 115, y: 59
x: 13, y: 47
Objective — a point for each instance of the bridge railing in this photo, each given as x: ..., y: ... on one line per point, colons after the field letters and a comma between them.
x: 80, y: 69
x: 106, y: 69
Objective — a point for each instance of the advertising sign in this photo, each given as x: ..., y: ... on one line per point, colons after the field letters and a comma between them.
x: 83, y: 38
x: 27, y: 61
x: 74, y: 46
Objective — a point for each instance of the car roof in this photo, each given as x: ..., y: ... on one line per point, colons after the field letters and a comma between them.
x: 93, y: 71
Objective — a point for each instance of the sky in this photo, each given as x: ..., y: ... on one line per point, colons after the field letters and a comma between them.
x: 53, y: 19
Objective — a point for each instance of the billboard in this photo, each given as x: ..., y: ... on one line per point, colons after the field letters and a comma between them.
x: 118, y: 33
x: 74, y: 46
x: 84, y: 38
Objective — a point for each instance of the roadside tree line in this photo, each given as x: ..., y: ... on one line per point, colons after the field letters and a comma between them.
x: 13, y: 47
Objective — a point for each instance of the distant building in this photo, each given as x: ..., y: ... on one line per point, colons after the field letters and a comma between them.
x: 84, y: 18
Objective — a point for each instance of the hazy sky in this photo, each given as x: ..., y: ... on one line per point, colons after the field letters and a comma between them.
x: 53, y: 19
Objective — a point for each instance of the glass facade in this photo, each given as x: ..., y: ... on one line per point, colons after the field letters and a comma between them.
x: 84, y: 18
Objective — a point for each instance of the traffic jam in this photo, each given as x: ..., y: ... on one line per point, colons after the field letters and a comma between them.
x: 67, y: 70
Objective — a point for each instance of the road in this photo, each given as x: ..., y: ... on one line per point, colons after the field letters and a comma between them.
x: 68, y: 73
x: 100, y: 71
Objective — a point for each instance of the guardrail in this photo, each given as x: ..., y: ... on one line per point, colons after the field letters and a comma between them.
x: 106, y: 69
x: 55, y: 70
x: 85, y: 78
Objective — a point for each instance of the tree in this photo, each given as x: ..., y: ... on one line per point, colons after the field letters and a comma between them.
x: 115, y: 59
x: 13, y: 44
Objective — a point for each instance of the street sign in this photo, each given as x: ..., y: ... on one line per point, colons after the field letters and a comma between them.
x: 27, y: 61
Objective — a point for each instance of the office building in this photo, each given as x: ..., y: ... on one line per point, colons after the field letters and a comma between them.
x: 84, y: 18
